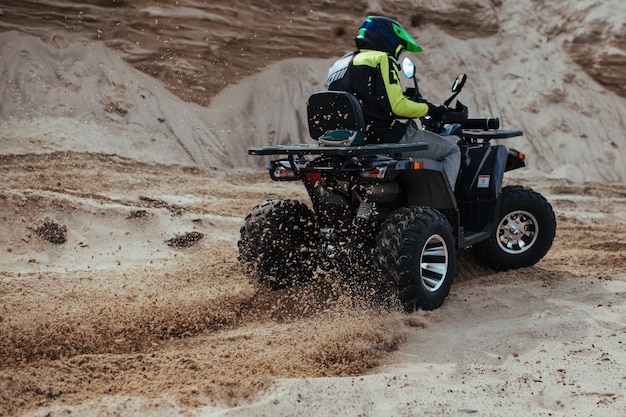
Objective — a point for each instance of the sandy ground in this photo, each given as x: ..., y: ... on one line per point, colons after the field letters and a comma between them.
x: 116, y: 321
x: 143, y: 310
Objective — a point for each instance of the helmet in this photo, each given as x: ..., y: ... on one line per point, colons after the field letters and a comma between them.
x: 386, y: 35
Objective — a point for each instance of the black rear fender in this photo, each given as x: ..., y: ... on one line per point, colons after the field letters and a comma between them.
x: 429, y: 187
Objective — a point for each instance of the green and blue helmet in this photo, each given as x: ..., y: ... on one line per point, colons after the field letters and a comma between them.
x: 386, y: 35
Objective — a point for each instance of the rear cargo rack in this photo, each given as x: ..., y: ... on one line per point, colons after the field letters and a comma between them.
x: 383, y: 149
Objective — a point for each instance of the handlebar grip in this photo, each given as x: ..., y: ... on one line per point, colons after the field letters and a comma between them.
x: 482, y: 123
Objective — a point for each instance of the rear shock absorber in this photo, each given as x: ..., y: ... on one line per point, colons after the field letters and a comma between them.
x: 364, y: 213
x: 361, y: 230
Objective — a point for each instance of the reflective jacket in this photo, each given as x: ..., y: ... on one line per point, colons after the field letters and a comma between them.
x: 373, y: 78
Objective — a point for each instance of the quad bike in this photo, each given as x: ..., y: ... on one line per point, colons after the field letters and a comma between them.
x: 381, y: 216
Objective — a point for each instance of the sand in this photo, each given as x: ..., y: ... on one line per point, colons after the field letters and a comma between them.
x: 115, y: 321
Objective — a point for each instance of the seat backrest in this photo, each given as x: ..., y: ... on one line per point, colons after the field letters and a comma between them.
x: 333, y: 110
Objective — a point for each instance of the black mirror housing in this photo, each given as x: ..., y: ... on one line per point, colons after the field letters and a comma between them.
x: 459, y: 83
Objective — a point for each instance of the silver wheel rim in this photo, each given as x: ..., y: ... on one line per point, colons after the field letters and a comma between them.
x: 434, y: 263
x: 517, y: 232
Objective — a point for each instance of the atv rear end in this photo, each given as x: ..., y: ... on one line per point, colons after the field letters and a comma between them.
x: 356, y: 222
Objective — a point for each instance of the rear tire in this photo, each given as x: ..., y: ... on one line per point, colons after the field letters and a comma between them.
x: 525, y: 231
x: 276, y: 244
x: 416, y: 253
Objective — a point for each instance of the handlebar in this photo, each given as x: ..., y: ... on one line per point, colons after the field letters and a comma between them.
x: 482, y: 123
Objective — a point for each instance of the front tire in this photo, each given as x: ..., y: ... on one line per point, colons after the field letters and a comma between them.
x: 276, y: 244
x: 524, y: 233
x: 416, y: 253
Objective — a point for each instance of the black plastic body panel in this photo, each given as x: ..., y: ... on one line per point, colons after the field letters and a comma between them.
x: 479, y: 187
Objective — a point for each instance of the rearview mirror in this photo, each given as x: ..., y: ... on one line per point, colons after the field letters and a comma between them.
x: 408, y: 67
x: 458, y: 83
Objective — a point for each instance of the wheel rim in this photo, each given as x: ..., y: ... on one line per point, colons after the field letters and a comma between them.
x: 434, y: 263
x: 517, y: 232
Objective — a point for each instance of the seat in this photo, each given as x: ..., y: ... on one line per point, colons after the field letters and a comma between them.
x: 334, y: 110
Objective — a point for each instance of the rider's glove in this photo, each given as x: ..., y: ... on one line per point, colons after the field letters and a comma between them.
x: 414, y: 95
x: 410, y: 92
x: 435, y: 110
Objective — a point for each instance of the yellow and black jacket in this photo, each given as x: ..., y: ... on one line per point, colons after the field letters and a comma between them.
x: 373, y: 78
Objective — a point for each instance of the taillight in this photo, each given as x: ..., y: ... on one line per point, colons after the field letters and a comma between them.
x: 374, y: 174
x: 517, y: 154
x: 313, y: 176
x: 284, y: 173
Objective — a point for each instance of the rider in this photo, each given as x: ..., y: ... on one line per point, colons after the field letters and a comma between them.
x: 371, y: 74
